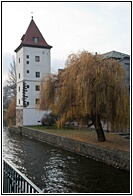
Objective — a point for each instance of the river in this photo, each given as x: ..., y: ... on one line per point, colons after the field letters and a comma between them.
x: 55, y: 170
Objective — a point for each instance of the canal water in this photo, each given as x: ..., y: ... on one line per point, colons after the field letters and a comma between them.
x: 56, y: 170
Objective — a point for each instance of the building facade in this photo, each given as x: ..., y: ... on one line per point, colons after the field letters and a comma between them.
x: 122, y: 58
x: 33, y: 61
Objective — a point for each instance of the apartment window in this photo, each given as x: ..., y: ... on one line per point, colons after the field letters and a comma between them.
x: 37, y: 58
x: 37, y: 74
x: 19, y: 60
x: 28, y: 86
x: 37, y: 88
x: 19, y: 101
x: 27, y: 62
x: 19, y: 88
x: 35, y: 39
x: 27, y: 56
x: 19, y: 75
x: 37, y: 101
x: 27, y: 71
x: 27, y: 103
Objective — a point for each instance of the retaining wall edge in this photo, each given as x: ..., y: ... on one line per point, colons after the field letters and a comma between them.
x: 116, y: 158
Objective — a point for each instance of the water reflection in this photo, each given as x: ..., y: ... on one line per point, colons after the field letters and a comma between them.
x: 59, y: 171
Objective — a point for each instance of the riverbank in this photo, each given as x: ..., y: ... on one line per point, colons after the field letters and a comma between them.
x: 114, y: 157
x: 113, y: 140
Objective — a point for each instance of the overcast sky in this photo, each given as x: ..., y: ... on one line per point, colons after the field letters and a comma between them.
x: 68, y: 27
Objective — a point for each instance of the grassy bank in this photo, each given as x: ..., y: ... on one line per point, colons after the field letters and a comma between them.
x: 113, y: 140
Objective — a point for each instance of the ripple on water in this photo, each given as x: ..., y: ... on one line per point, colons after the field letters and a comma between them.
x: 59, y: 171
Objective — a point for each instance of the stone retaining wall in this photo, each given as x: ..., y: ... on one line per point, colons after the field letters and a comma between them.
x: 116, y: 158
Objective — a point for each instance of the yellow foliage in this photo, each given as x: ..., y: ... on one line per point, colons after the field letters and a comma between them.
x: 88, y: 86
x: 11, y: 112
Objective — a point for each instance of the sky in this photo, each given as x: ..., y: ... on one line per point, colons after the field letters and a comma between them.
x: 67, y: 26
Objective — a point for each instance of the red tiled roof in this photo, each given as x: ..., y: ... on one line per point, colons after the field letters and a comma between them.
x: 31, y: 33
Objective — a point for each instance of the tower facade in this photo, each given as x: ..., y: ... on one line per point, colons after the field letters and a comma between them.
x: 33, y: 61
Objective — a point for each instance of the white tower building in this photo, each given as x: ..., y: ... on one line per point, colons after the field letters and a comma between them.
x: 32, y: 63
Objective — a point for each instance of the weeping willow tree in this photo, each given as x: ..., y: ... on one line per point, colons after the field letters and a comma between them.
x: 89, y: 90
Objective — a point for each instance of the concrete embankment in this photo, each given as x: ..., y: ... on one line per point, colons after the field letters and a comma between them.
x: 116, y: 158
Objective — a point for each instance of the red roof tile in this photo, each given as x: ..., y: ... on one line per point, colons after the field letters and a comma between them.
x: 31, y: 33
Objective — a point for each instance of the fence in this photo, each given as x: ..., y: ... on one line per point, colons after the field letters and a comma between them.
x: 15, y: 182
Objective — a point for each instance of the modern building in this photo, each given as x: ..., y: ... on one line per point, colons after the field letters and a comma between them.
x: 33, y: 61
x: 122, y: 58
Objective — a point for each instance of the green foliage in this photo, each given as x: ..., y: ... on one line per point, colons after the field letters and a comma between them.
x: 48, y: 119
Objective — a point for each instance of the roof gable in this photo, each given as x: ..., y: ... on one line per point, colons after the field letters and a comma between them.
x: 33, y: 37
x: 114, y: 54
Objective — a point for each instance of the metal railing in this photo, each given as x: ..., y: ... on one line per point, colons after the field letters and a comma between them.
x: 15, y: 182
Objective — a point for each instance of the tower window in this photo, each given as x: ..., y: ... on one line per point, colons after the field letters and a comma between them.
x: 37, y: 58
x: 37, y: 74
x: 37, y: 101
x: 19, y: 75
x: 37, y: 88
x: 19, y: 60
x: 35, y: 39
x: 19, y: 88
x: 27, y: 62
x: 27, y: 71
x: 27, y: 56
x: 19, y: 101
x: 27, y: 103
x: 28, y: 86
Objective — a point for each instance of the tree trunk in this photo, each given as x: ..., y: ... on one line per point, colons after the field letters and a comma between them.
x: 98, y: 126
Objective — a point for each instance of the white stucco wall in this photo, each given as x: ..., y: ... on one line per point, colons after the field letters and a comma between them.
x: 43, y: 66
x: 19, y: 94
x: 19, y: 70
x: 31, y: 93
x: 31, y: 115
x: 19, y: 65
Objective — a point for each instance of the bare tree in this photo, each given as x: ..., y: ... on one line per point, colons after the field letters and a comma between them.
x: 12, y: 77
x: 6, y: 96
x: 9, y: 94
x: 9, y: 90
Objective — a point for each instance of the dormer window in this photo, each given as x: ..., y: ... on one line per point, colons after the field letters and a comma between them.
x: 36, y: 39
